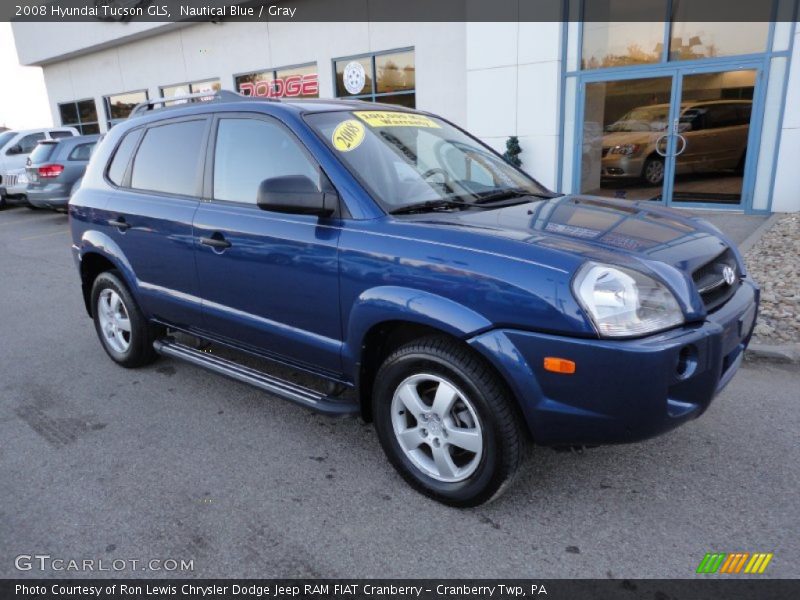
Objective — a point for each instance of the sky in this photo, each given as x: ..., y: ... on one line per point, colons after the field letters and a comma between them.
x: 23, y: 97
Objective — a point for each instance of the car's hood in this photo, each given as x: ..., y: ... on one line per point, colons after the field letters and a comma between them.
x: 667, y: 242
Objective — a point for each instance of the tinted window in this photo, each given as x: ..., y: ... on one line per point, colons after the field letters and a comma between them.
x: 60, y: 134
x: 81, y: 152
x: 723, y: 115
x: 249, y: 151
x: 69, y: 112
x: 168, y: 158
x: 81, y: 114
x: 28, y: 143
x: 42, y: 153
x: 116, y: 171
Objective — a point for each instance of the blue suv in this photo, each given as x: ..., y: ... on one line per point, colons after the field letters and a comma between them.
x: 416, y: 279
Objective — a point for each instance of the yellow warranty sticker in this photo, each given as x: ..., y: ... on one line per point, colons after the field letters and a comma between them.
x: 348, y: 135
x: 387, y: 118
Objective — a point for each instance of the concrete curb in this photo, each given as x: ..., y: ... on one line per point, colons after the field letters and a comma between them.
x: 753, y: 238
x: 783, y: 353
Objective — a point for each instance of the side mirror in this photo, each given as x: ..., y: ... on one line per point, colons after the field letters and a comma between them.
x: 295, y: 194
x: 15, y: 149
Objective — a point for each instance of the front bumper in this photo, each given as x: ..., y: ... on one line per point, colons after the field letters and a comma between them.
x: 619, y: 166
x: 623, y: 390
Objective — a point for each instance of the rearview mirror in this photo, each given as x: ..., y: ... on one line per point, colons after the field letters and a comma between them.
x: 295, y: 194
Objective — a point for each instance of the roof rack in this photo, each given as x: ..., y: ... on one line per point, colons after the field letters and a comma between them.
x: 219, y: 95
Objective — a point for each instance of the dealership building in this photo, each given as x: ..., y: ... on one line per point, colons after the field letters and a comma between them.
x: 690, y: 114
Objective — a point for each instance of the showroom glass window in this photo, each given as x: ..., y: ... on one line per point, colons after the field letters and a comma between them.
x: 168, y: 159
x: 81, y: 114
x: 119, y: 106
x: 379, y: 77
x: 616, y: 34
x: 248, y: 151
x: 193, y: 87
x: 300, y: 81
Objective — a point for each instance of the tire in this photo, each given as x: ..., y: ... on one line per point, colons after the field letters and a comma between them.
x: 653, y: 171
x: 131, y: 348
x: 480, y: 415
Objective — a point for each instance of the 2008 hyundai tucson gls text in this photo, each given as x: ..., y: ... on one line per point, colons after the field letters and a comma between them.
x: 414, y: 276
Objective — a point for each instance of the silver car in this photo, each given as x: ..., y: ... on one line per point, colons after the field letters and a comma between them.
x: 714, y: 134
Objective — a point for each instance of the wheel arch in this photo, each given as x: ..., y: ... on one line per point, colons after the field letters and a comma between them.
x: 99, y: 253
x: 385, y: 318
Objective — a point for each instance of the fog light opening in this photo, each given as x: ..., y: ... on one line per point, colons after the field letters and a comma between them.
x: 687, y: 362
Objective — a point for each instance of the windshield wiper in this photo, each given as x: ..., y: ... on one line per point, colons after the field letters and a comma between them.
x: 428, y: 206
x: 509, y: 193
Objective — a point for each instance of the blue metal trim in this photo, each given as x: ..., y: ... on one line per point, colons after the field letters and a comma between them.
x: 562, y: 103
x: 667, y: 34
x: 779, y: 135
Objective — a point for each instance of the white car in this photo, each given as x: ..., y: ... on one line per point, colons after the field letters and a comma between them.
x: 15, y: 146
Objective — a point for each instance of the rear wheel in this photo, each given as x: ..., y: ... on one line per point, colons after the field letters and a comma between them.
x: 126, y: 335
x: 446, y: 422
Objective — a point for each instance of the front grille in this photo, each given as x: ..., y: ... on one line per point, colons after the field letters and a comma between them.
x: 10, y: 180
x: 710, y: 280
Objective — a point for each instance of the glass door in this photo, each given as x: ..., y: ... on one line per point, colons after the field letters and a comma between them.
x: 626, y: 141
x: 678, y: 136
x: 711, y: 131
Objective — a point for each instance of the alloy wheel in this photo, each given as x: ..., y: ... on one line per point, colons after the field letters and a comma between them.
x: 115, y: 324
x: 437, y: 427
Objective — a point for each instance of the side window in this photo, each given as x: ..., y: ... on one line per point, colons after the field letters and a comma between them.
x: 168, y: 159
x: 723, y: 115
x: 81, y: 152
x: 249, y: 151
x: 119, y: 163
x: 60, y: 134
x: 28, y: 143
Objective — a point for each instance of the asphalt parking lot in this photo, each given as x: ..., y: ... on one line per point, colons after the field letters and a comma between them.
x: 171, y: 462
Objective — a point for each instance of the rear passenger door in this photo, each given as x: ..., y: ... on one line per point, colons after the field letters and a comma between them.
x: 272, y: 281
x: 158, y: 173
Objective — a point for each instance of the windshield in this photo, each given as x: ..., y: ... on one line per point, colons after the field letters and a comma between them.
x: 407, y: 158
x: 5, y: 137
x: 644, y: 118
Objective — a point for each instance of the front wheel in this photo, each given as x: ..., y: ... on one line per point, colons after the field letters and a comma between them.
x: 126, y: 335
x: 446, y: 422
x: 653, y: 171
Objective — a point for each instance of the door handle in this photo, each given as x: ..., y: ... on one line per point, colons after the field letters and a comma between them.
x: 217, y: 241
x: 120, y: 223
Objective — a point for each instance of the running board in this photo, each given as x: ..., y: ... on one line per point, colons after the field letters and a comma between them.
x: 280, y: 387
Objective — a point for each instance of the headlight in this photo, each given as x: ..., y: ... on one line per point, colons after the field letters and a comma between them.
x: 625, y: 149
x: 623, y: 302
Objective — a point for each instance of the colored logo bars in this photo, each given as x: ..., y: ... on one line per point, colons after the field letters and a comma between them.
x: 735, y: 562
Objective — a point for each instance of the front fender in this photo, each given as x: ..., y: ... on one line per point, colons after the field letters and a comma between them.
x: 393, y: 303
